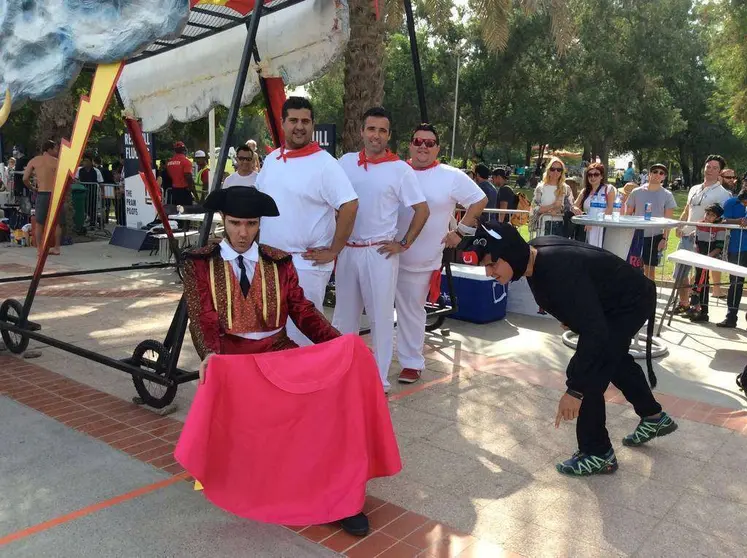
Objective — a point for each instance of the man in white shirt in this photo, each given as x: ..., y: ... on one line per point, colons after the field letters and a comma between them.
x: 366, y: 275
x: 699, y: 197
x: 309, y: 187
x: 246, y: 174
x: 443, y: 187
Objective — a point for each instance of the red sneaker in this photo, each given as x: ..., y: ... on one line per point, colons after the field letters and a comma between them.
x: 409, y: 376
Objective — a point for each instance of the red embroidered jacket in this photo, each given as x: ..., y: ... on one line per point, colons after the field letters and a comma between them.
x: 274, y: 295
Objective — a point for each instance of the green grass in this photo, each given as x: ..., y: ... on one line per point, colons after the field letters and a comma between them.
x: 668, y: 268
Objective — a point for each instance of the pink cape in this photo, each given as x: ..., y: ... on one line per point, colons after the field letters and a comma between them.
x: 291, y: 437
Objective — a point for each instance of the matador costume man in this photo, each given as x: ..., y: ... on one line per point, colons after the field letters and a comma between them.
x: 264, y: 425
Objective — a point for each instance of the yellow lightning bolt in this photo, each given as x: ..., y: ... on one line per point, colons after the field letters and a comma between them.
x: 91, y: 108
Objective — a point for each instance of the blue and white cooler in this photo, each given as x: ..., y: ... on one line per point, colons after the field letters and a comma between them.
x: 481, y: 299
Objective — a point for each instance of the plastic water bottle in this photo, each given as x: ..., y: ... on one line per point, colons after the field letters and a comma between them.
x: 647, y: 212
x: 617, y: 207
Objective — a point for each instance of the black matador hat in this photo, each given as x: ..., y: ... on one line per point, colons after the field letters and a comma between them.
x: 241, y: 202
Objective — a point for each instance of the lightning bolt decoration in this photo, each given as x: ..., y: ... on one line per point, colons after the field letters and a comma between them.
x: 91, y: 108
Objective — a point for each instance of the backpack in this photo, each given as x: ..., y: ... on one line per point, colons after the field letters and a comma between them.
x: 522, y: 203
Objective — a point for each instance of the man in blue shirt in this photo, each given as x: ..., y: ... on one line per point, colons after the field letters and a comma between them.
x: 483, y: 181
x: 735, y: 214
x: 629, y: 173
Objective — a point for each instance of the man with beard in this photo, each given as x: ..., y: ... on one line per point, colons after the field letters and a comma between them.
x: 443, y: 187
x: 607, y: 306
x: 309, y: 188
x: 366, y: 276
x: 240, y: 295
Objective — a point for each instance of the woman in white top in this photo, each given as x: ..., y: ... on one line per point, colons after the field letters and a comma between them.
x: 596, y: 199
x: 551, y: 198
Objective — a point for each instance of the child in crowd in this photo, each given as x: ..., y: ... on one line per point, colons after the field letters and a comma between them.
x: 709, y: 241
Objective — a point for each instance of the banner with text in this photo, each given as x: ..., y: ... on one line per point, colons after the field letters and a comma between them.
x: 138, y: 205
x: 326, y: 136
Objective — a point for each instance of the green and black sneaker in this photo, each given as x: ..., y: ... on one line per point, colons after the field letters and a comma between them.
x: 648, y: 429
x: 584, y: 465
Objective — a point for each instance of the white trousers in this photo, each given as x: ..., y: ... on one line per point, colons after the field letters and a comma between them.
x: 366, y: 279
x: 314, y: 285
x: 412, y: 292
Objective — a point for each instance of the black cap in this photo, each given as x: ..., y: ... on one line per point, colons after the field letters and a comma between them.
x: 242, y: 202
x: 659, y: 166
x: 500, y: 241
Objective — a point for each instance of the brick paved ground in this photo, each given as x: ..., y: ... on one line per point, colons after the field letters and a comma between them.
x: 476, y: 435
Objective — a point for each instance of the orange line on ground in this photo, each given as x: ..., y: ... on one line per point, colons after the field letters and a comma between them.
x: 93, y: 508
x: 420, y: 387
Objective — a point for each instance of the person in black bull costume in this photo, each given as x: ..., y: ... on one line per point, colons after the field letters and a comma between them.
x: 609, y: 303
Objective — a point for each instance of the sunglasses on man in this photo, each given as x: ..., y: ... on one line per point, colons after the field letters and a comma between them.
x: 417, y: 142
x: 728, y: 177
x: 245, y: 158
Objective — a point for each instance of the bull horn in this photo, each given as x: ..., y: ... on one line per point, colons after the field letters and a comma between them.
x: 5, y: 109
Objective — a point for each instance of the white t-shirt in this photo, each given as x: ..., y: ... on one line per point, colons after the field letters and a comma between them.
x: 381, y: 190
x: 237, y: 180
x: 443, y: 187
x: 307, y: 190
x: 698, y: 198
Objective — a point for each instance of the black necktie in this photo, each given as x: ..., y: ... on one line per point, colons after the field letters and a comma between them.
x: 244, y: 279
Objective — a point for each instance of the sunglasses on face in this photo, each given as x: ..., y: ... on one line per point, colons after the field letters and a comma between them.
x: 244, y: 158
x: 658, y: 171
x: 556, y: 169
x: 729, y: 177
x: 417, y: 142
x: 593, y: 174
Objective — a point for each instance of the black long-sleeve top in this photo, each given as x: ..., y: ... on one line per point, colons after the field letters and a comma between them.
x: 595, y: 294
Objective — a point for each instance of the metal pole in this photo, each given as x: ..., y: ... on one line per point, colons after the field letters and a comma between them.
x: 456, y: 105
x: 176, y: 333
x: 211, y: 140
x: 233, y: 112
x: 416, y: 61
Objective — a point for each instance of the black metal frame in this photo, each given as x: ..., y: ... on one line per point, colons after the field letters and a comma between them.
x: 167, y: 373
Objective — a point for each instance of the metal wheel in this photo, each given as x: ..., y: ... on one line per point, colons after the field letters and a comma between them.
x: 432, y: 323
x: 740, y: 379
x: 152, y: 356
x: 10, y: 311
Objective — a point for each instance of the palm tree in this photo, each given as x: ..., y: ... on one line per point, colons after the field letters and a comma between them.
x: 364, y: 58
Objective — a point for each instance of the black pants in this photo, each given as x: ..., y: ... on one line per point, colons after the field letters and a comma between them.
x: 119, y: 211
x: 621, y: 369
x: 699, y: 295
x: 736, y: 285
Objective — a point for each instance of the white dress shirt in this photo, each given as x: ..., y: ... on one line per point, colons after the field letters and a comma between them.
x: 251, y: 257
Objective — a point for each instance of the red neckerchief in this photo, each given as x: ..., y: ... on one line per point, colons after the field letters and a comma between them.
x: 308, y: 149
x: 432, y: 165
x: 363, y: 161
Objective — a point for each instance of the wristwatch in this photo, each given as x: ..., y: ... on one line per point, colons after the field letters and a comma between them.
x: 403, y: 243
x: 574, y: 393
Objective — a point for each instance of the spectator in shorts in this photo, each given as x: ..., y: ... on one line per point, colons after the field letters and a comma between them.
x: 662, y: 204
x: 699, y: 197
x: 709, y: 241
x: 735, y: 214
x: 44, y: 169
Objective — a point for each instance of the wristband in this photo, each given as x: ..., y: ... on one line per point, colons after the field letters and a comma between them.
x: 461, y: 227
x: 573, y: 393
